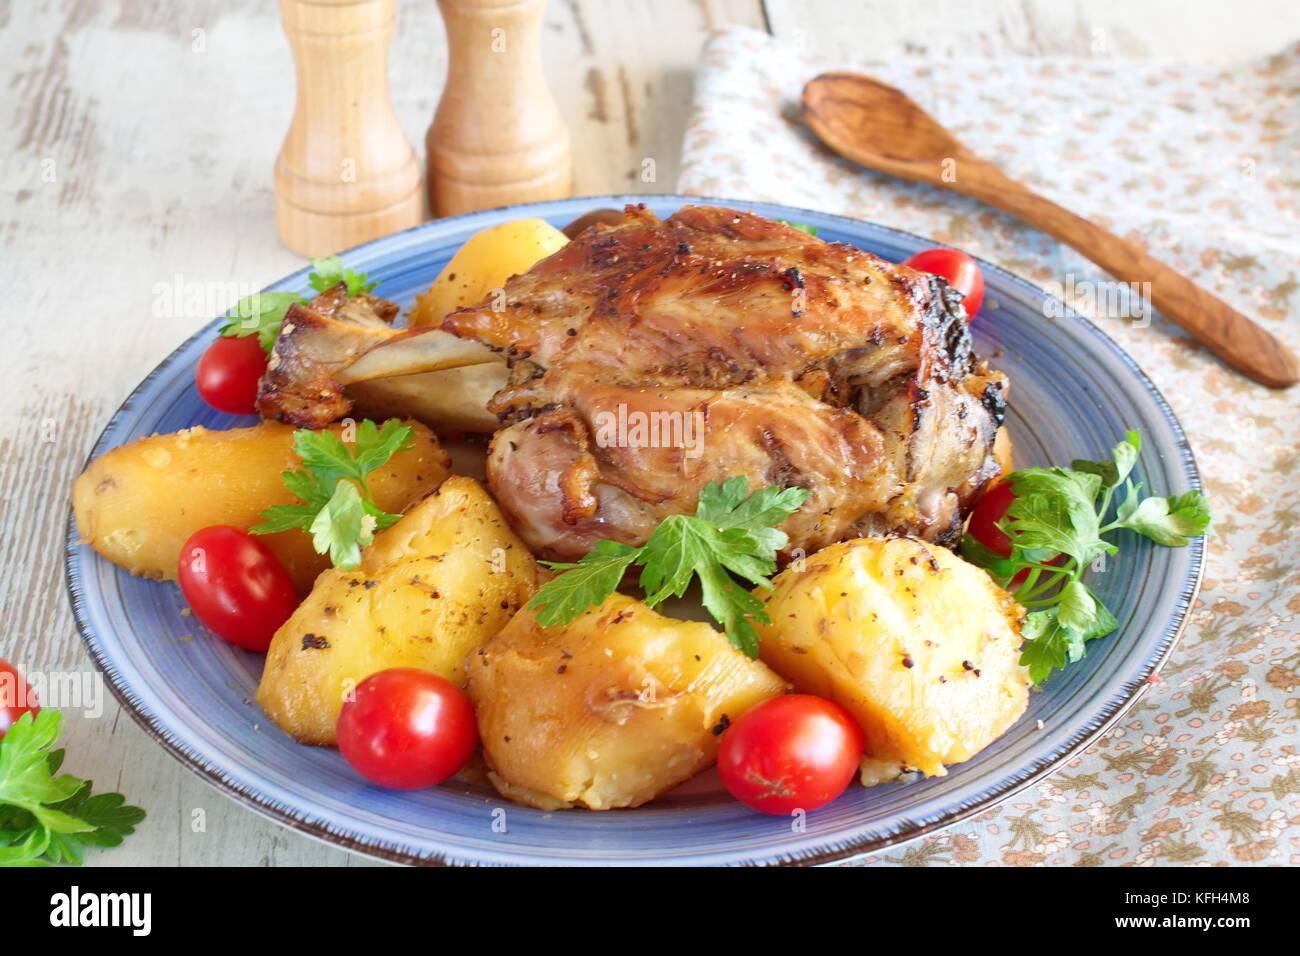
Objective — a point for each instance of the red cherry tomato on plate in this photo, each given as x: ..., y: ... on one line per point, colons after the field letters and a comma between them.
x: 16, y: 697
x: 236, y: 586
x: 983, y: 526
x: 796, y: 752
x: 959, y: 269
x: 407, y: 729
x: 228, y: 373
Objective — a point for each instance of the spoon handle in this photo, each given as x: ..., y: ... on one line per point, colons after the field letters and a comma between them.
x: 1233, y: 337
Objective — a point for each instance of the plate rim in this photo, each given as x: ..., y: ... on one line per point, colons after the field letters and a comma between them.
x: 1125, y: 696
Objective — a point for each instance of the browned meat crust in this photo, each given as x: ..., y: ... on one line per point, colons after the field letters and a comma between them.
x: 804, y: 362
x: 316, y: 342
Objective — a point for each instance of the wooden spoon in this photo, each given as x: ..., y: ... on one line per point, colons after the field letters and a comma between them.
x: 879, y: 127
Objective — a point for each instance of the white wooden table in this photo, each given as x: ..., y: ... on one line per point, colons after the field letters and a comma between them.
x: 139, y: 141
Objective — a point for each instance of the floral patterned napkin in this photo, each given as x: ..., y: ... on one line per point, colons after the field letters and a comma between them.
x: 1201, y: 165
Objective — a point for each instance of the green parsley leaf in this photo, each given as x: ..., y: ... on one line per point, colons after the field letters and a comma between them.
x: 286, y: 517
x: 1105, y: 470
x: 1131, y: 501
x: 1048, y: 645
x: 26, y: 780
x: 1059, y: 513
x: 260, y: 314
x: 1077, y: 608
x: 1055, y: 636
x: 1124, y: 456
x: 381, y: 519
x: 337, y: 509
x: 730, y: 505
x: 683, y: 544
x: 329, y: 272
x: 1168, y: 521
x: 982, y: 556
x: 328, y: 458
x: 734, y: 607
x: 342, y: 527
x: 376, y: 444
x: 50, y: 818
x: 1054, y: 510
x: 730, y: 534
x: 1103, y: 622
x: 1055, y: 482
x: 583, y: 584
x: 108, y: 813
x: 307, y: 486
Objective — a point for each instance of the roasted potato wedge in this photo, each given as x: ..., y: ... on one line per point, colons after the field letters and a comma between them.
x: 138, y: 504
x: 921, y: 647
x: 429, y: 590
x: 610, y: 710
x: 484, y: 263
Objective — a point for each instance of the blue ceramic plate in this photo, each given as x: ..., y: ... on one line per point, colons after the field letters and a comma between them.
x: 1074, y: 393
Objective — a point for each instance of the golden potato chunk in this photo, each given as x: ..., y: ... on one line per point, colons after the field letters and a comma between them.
x: 483, y: 263
x: 429, y: 590
x: 610, y: 710
x: 921, y: 647
x: 139, y: 503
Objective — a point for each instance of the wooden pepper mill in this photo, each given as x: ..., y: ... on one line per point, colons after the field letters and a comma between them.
x: 346, y: 173
x: 497, y: 137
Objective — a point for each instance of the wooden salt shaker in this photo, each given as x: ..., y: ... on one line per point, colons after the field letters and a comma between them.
x: 346, y: 173
x: 497, y: 137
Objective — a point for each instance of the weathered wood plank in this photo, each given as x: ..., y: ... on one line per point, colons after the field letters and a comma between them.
x: 877, y: 29
x: 622, y: 73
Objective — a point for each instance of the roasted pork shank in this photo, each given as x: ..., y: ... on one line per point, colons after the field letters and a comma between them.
x: 652, y: 357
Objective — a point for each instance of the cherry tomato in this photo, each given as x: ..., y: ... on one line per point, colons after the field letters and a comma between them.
x: 16, y: 697
x: 789, y: 753
x: 959, y: 269
x: 236, y: 586
x: 983, y: 526
x: 407, y: 729
x: 228, y: 373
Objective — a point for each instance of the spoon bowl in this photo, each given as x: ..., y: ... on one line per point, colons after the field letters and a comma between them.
x: 882, y: 123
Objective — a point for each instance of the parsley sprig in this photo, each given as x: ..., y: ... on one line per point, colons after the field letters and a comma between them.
x: 338, y: 510
x: 47, y: 817
x: 329, y: 272
x: 1056, y: 525
x: 262, y: 313
x: 731, y: 536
